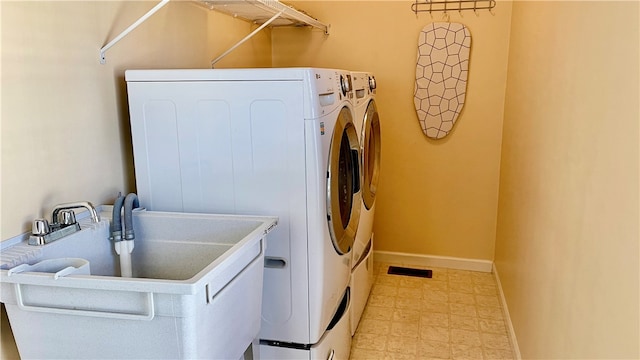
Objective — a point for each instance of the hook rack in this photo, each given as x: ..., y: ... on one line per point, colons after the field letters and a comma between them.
x: 454, y: 5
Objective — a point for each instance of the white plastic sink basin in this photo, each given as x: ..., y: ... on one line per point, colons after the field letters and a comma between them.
x: 196, y: 289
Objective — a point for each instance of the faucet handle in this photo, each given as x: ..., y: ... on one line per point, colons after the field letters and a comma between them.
x: 66, y: 217
x: 40, y: 227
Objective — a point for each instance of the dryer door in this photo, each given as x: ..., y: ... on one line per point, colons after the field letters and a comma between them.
x: 343, y: 183
x: 371, y: 155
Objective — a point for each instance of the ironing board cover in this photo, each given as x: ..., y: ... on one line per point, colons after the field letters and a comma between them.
x: 441, y: 76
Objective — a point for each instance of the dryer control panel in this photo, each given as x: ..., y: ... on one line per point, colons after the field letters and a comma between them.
x: 364, y: 85
x: 333, y: 87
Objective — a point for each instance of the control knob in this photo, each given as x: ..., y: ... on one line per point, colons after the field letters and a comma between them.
x: 372, y: 83
x: 344, y: 85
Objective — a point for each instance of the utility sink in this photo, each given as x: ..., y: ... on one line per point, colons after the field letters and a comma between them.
x: 196, y: 290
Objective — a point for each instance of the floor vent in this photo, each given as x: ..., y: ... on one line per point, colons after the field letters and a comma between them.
x: 397, y: 270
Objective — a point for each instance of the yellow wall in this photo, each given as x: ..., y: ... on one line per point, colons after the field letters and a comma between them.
x: 434, y: 197
x: 65, y: 130
x: 567, y: 239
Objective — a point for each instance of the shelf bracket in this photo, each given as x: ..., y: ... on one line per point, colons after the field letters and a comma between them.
x: 266, y: 23
x: 132, y: 27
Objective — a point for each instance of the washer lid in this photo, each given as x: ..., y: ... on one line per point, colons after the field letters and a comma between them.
x: 343, y: 183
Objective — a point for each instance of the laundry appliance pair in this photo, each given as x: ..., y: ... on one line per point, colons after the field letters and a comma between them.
x: 278, y: 141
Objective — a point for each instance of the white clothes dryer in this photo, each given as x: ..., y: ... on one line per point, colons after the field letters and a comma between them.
x: 368, y: 124
x: 262, y: 141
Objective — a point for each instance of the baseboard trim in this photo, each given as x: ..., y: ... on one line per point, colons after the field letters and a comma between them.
x: 433, y: 260
x: 505, y: 311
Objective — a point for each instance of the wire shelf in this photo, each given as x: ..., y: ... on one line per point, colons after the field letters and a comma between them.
x: 263, y: 12
x: 260, y: 11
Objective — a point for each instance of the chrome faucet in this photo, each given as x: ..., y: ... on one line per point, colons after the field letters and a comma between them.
x: 63, y: 223
x: 76, y: 205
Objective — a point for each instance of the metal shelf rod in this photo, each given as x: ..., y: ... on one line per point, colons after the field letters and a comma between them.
x: 274, y: 17
x: 132, y: 27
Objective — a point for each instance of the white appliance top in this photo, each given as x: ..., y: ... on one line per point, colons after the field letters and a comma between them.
x: 253, y: 74
x: 327, y: 88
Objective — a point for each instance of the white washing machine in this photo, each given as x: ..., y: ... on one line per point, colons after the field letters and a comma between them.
x: 262, y: 141
x: 367, y: 123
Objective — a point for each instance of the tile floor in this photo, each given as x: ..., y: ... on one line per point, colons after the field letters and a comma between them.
x: 454, y: 315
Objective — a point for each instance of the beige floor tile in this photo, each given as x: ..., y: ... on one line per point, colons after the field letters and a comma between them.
x: 464, y: 322
x: 490, y: 312
x: 496, y: 354
x: 464, y: 352
x: 459, y: 275
x: 434, y: 333
x: 435, y: 319
x: 462, y: 310
x: 407, y: 330
x: 410, y: 281
x: 385, y: 290
x: 377, y: 312
x: 399, y: 356
x: 410, y: 292
x: 377, y: 327
x: 461, y: 287
x: 485, y: 289
x: 398, y: 344
x: 433, y: 350
x: 482, y: 277
x: 384, y: 279
x: 404, y: 303
x: 465, y: 337
x: 437, y: 285
x: 492, y: 326
x: 462, y: 298
x: 369, y: 342
x: 496, y: 341
x: 381, y: 300
x: 487, y: 300
x: 406, y: 315
x: 435, y: 295
x: 366, y: 354
x: 429, y: 306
